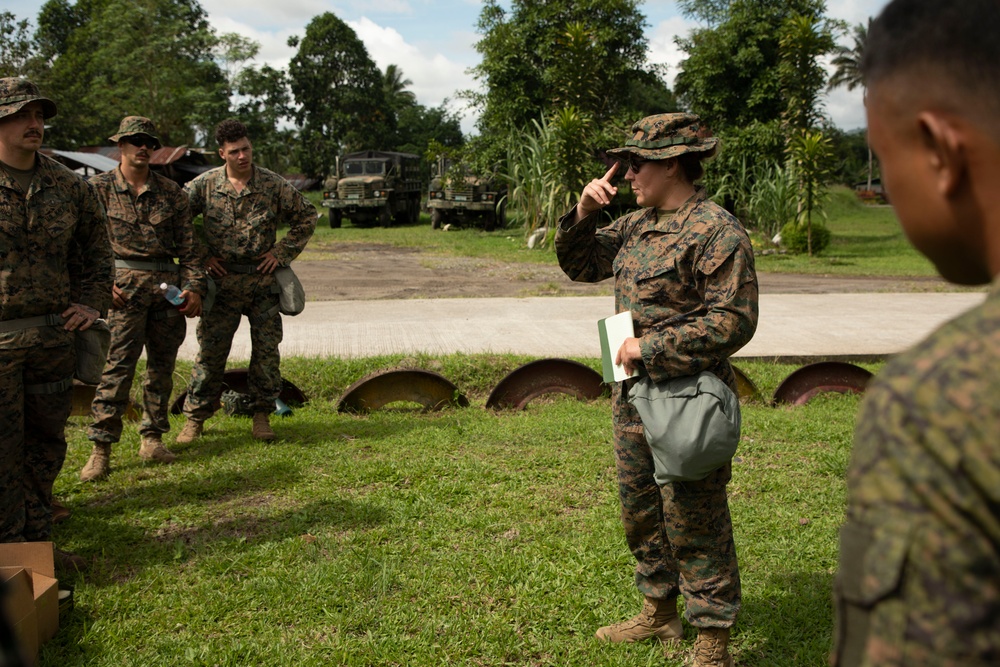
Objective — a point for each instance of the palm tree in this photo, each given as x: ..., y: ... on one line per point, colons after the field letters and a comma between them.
x: 394, y: 87
x: 847, y: 61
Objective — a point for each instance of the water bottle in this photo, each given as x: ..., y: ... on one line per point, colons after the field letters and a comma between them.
x: 172, y: 294
x: 281, y: 408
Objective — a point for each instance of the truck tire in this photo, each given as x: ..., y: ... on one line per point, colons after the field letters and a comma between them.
x: 415, y: 212
x: 490, y: 221
x: 436, y: 218
x: 336, y: 219
x: 385, y: 216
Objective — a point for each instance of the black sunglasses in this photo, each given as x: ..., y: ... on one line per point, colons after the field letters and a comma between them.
x: 633, y: 162
x: 141, y: 141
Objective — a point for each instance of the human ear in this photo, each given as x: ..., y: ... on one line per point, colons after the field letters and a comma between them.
x: 946, y: 147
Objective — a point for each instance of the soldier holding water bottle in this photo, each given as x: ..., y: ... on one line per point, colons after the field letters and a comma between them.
x: 150, y: 225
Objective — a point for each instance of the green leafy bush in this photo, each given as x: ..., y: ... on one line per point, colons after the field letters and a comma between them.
x: 795, y: 238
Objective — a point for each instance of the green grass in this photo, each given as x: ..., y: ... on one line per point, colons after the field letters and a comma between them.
x: 867, y: 241
x: 410, y: 538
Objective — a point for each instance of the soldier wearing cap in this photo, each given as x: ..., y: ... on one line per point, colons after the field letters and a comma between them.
x: 149, y: 220
x: 55, y: 278
x: 242, y: 206
x: 684, y: 268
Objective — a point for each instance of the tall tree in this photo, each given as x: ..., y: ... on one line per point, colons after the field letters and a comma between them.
x: 748, y: 88
x: 154, y: 58
x: 847, y: 72
x: 543, y: 56
x: 15, y: 45
x: 394, y: 87
x: 340, y: 95
x: 265, y: 107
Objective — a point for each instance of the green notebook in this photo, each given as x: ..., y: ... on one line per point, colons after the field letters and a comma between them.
x: 613, y: 331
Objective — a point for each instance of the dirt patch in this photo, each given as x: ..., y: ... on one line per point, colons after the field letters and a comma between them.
x: 372, y: 271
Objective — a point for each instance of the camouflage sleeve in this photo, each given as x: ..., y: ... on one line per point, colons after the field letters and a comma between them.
x: 728, y: 283
x: 587, y: 254
x: 90, y: 262
x: 196, y: 193
x: 189, y: 249
x: 300, y: 216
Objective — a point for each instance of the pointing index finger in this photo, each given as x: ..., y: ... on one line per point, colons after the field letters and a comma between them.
x: 611, y: 172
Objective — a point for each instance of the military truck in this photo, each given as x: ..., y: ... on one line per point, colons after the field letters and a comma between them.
x: 458, y: 196
x: 374, y: 187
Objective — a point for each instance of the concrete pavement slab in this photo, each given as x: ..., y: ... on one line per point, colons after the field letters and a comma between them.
x: 791, y: 325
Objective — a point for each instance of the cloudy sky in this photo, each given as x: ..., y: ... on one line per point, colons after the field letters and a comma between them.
x: 433, y: 41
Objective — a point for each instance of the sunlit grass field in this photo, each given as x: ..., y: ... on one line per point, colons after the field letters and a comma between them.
x: 404, y: 537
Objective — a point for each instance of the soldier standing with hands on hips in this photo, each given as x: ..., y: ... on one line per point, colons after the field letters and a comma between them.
x: 55, y: 278
x: 684, y: 268
x: 149, y: 221
x: 242, y: 206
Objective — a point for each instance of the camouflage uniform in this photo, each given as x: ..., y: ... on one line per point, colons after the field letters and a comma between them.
x: 52, y: 240
x: 919, y: 578
x: 152, y: 227
x: 690, y: 284
x: 239, y: 228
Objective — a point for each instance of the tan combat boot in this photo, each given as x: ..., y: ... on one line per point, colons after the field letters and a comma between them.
x: 711, y: 648
x: 262, y: 427
x: 152, y: 449
x: 190, y: 432
x: 658, y: 618
x: 99, y: 464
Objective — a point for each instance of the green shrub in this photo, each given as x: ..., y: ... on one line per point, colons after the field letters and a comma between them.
x: 795, y: 238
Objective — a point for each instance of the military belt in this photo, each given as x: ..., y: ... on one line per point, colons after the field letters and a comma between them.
x: 239, y: 268
x: 48, y: 387
x: 143, y: 265
x: 8, y: 326
x: 166, y: 314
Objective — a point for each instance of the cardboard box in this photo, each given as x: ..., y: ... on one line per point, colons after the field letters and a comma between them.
x: 18, y: 607
x: 36, y: 558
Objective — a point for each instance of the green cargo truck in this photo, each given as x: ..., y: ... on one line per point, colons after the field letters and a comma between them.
x: 459, y: 197
x: 374, y: 187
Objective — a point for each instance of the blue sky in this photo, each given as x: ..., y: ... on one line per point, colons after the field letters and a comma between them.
x: 433, y: 41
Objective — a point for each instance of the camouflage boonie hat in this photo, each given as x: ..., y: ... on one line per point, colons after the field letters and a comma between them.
x: 133, y: 125
x: 667, y: 135
x: 16, y: 92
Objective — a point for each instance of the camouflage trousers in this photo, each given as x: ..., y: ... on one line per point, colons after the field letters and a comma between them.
x: 238, y: 295
x: 32, y: 437
x: 161, y: 331
x: 681, y: 534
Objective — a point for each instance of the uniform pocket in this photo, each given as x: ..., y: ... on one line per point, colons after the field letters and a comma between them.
x: 871, y: 571
x: 59, y: 226
x: 657, y: 284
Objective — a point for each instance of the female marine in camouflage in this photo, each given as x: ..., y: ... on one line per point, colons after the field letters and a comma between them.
x: 684, y: 268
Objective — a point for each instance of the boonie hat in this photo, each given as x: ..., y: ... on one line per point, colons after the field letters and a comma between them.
x: 133, y: 125
x: 667, y: 135
x: 16, y: 92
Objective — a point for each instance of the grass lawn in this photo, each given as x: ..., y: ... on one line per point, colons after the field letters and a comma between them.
x: 867, y: 240
x: 408, y: 538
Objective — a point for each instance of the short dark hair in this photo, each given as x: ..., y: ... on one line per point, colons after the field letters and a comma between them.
x: 228, y: 131
x: 953, y: 45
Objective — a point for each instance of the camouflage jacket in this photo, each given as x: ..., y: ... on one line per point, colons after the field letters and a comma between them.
x: 920, y: 551
x: 688, y: 281
x: 54, y: 250
x: 155, y: 226
x: 240, y: 227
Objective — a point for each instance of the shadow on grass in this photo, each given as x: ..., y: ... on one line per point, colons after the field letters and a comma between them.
x: 790, y: 624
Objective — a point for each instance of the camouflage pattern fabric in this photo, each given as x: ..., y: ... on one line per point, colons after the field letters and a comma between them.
x: 919, y: 577
x: 239, y: 294
x: 54, y: 249
x: 690, y: 283
x: 32, y: 439
x: 239, y: 227
x: 154, y: 225
x: 133, y: 125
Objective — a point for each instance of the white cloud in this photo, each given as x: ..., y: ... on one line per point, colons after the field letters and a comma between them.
x: 662, y: 46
